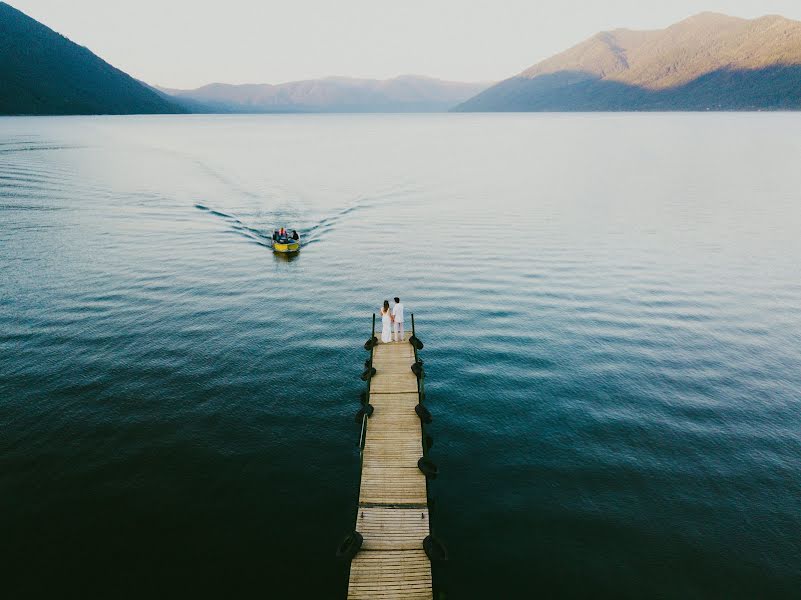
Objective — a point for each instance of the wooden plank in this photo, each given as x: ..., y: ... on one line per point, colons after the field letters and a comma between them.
x: 390, y: 574
x: 387, y: 417
x: 383, y: 444
x: 393, y: 383
x: 401, y: 353
x: 391, y: 488
x: 389, y: 436
x: 396, y: 403
x: 402, y: 399
x: 408, y: 460
x: 405, y: 352
x: 406, y: 423
x: 392, y: 529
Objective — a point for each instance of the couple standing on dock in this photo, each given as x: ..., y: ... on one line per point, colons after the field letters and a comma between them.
x: 389, y: 317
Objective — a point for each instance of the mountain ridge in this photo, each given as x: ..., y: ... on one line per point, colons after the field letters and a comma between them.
x: 45, y: 73
x: 709, y: 61
x: 651, y: 65
x: 404, y: 93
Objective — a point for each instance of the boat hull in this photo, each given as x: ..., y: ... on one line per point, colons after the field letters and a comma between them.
x: 286, y: 247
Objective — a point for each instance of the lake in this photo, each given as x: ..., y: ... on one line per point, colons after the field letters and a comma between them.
x: 611, y: 307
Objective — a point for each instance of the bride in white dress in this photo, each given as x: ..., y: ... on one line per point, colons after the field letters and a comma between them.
x: 386, y: 323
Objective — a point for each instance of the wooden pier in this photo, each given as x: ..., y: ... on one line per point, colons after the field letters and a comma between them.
x: 393, y: 514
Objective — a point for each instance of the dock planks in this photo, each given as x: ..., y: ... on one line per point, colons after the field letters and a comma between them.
x: 393, y: 512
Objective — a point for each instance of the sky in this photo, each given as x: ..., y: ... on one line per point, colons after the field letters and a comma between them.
x: 189, y: 43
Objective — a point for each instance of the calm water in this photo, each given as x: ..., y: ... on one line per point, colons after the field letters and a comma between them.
x: 611, y: 307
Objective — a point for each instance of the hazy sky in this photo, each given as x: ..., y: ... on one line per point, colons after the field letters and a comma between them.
x: 188, y: 43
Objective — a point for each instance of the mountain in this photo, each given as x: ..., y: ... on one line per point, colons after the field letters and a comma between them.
x: 707, y: 62
x: 408, y: 93
x: 44, y: 73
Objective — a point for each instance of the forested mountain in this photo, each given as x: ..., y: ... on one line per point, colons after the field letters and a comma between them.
x: 44, y: 73
x: 707, y: 62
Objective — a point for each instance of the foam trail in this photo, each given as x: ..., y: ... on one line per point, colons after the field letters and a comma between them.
x: 309, y: 235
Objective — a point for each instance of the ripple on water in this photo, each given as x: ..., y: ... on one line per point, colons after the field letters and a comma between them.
x: 613, y: 375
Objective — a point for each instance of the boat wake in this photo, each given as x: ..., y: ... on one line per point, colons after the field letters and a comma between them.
x: 253, y: 234
x: 310, y: 234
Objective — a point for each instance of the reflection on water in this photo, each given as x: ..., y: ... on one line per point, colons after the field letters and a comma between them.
x: 287, y: 257
x: 609, y: 305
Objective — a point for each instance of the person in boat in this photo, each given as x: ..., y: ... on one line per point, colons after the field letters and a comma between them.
x: 295, y: 235
x: 275, y: 235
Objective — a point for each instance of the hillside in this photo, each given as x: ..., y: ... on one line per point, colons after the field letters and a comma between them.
x: 709, y: 61
x: 44, y: 73
x: 409, y: 93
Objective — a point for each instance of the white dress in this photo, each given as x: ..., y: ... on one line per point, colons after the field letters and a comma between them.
x: 386, y: 327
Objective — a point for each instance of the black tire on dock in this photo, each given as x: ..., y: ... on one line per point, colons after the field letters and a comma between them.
x: 371, y: 343
x: 428, y: 467
x: 418, y: 370
x: 415, y: 341
x: 368, y: 373
x: 423, y: 413
x: 435, y: 550
x: 350, y: 546
x: 367, y: 409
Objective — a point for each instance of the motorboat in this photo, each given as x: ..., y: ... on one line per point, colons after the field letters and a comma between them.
x: 285, y: 244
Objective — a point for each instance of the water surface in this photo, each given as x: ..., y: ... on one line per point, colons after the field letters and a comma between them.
x: 610, y: 306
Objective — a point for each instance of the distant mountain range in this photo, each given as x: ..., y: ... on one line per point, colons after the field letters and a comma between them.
x: 707, y: 62
x: 408, y: 93
x: 44, y: 73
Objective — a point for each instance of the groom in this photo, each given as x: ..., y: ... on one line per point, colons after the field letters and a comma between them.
x: 397, y: 315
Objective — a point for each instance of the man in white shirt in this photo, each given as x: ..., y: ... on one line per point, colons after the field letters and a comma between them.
x: 397, y: 314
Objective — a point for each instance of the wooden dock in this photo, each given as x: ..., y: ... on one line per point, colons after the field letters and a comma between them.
x: 393, y: 515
